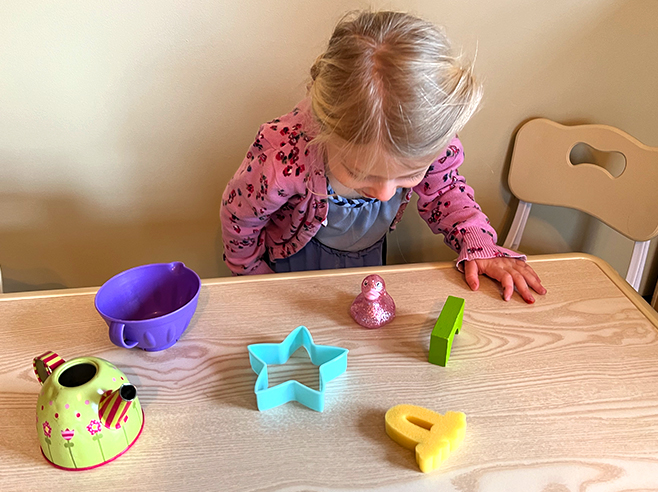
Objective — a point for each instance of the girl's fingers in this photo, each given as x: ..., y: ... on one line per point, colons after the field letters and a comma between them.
x: 507, y: 282
x: 471, y: 274
x: 524, y: 267
x: 532, y: 278
x: 511, y: 274
x: 534, y: 282
x: 522, y: 287
x: 505, y: 279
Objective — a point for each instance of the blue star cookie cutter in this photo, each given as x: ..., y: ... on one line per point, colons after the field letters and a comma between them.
x: 332, y: 362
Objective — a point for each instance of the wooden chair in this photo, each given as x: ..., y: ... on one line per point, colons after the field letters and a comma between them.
x: 542, y: 172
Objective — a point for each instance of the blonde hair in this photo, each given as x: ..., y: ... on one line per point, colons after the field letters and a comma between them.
x: 389, y: 78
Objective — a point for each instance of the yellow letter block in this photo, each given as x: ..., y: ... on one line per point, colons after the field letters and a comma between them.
x: 433, y: 435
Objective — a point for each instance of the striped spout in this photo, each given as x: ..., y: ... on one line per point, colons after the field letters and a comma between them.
x: 114, y: 405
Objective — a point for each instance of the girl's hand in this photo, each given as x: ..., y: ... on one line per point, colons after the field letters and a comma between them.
x: 509, y: 272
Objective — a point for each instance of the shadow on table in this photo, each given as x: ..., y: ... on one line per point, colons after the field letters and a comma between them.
x: 23, y: 449
x: 336, y: 309
x: 407, y: 335
x: 370, y: 426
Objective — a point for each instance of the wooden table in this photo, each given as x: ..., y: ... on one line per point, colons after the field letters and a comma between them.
x: 559, y: 396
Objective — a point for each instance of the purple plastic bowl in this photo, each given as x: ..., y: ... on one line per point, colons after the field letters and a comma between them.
x: 149, y: 306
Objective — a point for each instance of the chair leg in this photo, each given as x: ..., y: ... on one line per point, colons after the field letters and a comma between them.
x: 638, y: 259
x: 513, y: 239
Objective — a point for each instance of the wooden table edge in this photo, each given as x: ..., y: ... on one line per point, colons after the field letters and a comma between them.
x: 630, y: 293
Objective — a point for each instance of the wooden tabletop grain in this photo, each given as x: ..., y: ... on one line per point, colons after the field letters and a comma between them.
x: 561, y: 395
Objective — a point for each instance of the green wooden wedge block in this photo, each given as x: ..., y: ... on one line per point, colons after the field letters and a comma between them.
x: 449, y: 323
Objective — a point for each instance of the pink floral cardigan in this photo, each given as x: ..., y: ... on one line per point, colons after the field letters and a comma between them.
x: 277, y: 200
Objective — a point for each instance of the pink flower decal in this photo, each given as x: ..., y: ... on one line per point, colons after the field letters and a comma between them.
x: 47, y: 429
x: 94, y: 427
x: 68, y: 434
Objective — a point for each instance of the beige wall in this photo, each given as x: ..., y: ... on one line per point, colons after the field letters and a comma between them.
x: 121, y: 122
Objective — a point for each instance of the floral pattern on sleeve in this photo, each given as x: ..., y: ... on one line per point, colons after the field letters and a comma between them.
x: 448, y: 206
x: 267, y: 208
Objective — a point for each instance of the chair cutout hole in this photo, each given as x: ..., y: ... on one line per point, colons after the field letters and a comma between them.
x: 77, y: 375
x: 613, y: 162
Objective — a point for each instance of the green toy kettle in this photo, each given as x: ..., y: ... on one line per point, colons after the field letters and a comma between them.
x: 88, y: 413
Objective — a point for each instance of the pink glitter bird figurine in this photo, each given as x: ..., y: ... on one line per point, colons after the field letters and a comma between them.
x: 373, y: 307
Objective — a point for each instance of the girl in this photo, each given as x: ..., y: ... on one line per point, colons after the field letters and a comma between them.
x: 322, y: 185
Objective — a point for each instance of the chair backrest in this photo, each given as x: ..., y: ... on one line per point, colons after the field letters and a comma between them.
x: 541, y: 172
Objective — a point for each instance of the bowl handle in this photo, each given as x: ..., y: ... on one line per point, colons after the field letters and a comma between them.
x: 116, y: 335
x: 45, y: 364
